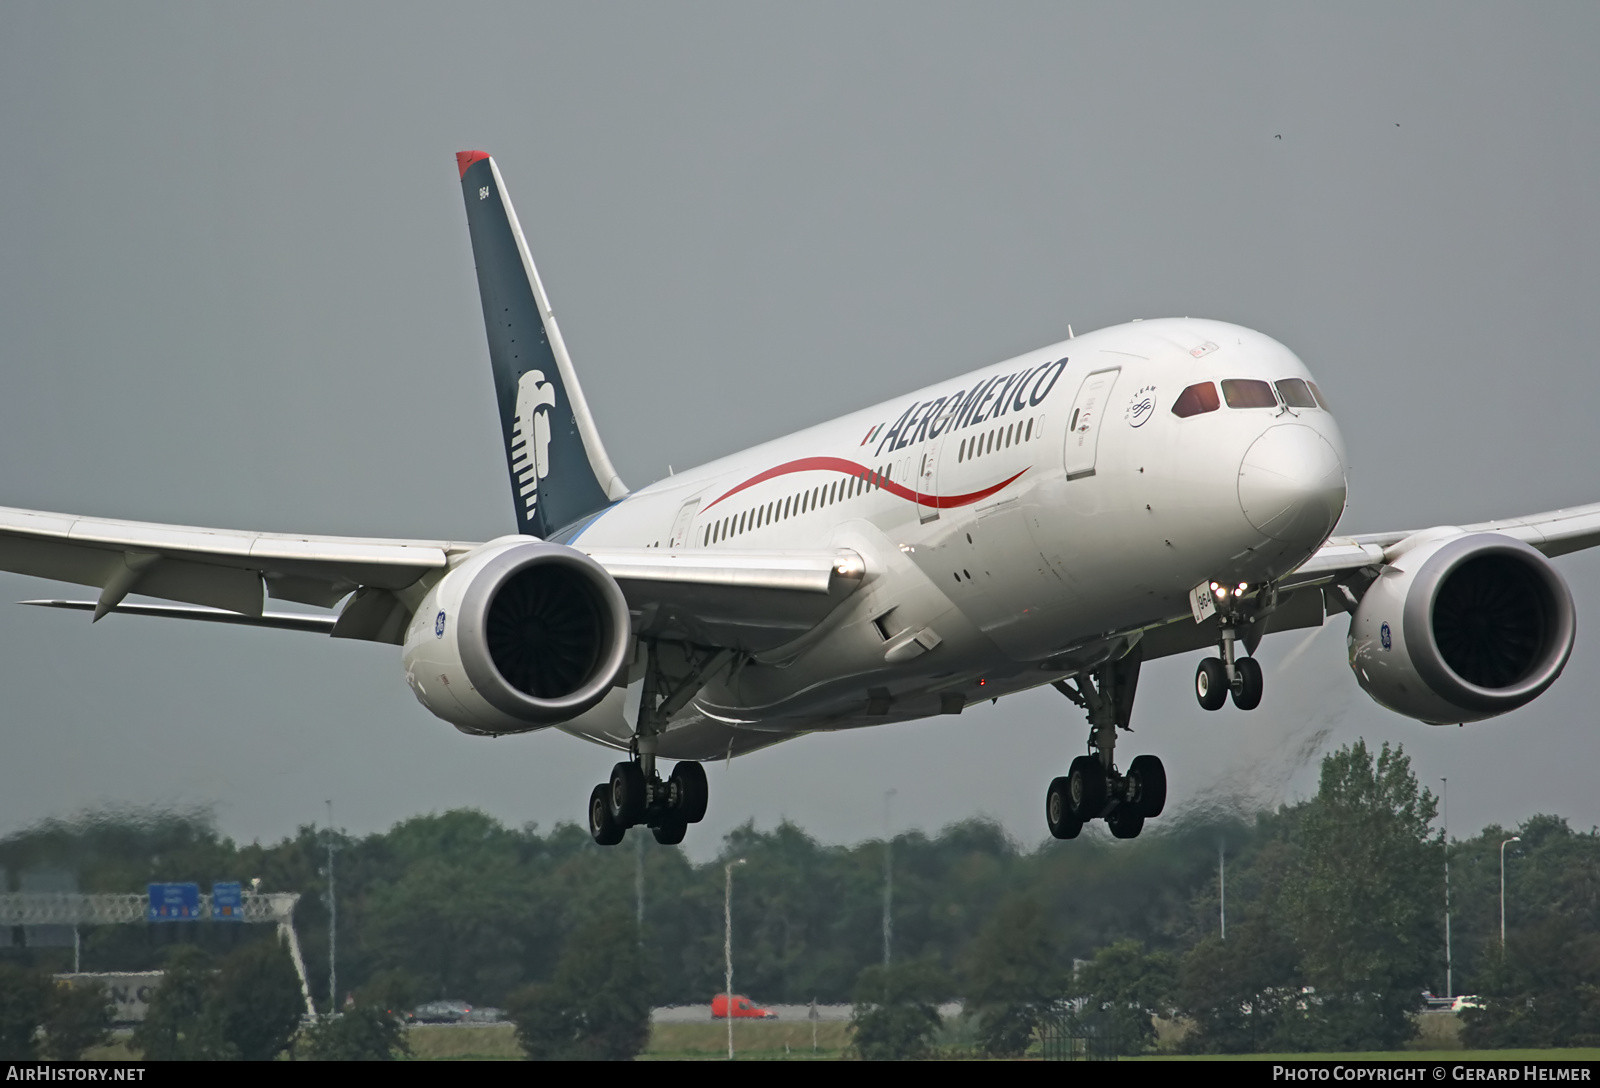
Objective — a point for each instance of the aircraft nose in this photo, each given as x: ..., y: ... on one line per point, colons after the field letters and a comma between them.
x: 1291, y: 484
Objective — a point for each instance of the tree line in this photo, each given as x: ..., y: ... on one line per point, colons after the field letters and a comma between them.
x: 1335, y: 919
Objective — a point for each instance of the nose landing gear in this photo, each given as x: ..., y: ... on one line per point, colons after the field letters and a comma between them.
x: 1093, y: 788
x: 635, y: 793
x: 1217, y: 678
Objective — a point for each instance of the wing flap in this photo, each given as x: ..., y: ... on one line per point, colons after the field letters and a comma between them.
x: 803, y: 572
x: 747, y: 601
x: 288, y: 621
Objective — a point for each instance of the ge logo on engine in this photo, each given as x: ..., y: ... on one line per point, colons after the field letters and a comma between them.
x: 1384, y: 635
x: 438, y: 628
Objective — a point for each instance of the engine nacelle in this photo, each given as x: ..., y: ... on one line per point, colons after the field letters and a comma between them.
x: 1462, y: 629
x: 522, y: 635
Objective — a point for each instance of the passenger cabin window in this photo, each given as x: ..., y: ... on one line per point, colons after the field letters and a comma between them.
x: 1195, y: 400
x: 1248, y: 393
x: 1296, y: 393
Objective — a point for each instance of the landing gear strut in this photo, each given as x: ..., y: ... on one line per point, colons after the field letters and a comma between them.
x: 635, y: 793
x: 1219, y: 677
x: 1093, y: 787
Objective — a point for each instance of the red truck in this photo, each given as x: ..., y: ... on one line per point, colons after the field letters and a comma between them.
x: 743, y: 1008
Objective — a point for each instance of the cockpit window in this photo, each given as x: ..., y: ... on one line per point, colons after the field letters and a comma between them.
x: 1296, y: 393
x: 1248, y: 393
x: 1196, y: 399
x: 1321, y: 400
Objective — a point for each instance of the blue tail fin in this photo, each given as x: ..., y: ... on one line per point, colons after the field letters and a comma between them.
x: 560, y: 473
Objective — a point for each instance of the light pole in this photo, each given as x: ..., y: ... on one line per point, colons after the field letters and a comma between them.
x: 333, y: 921
x: 1449, y: 981
x: 638, y: 887
x: 888, y: 878
x: 1222, y: 887
x: 1508, y: 842
x: 727, y: 950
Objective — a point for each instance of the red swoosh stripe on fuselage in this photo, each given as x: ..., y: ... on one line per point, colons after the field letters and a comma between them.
x: 850, y: 468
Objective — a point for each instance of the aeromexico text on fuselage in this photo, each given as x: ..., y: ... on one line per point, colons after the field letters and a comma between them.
x: 987, y: 400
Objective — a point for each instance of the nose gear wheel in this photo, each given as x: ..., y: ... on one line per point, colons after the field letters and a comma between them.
x: 1218, y: 678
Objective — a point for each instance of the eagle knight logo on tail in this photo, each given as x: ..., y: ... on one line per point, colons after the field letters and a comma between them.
x: 530, y: 437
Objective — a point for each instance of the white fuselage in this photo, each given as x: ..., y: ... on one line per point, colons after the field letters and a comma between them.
x: 1065, y: 506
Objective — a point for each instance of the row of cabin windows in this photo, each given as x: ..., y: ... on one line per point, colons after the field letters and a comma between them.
x: 997, y: 439
x: 783, y: 509
x: 1248, y: 393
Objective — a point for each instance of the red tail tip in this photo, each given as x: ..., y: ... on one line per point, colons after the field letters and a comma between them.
x: 464, y: 159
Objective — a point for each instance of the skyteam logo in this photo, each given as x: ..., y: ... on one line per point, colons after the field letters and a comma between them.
x: 530, y: 436
x: 1141, y: 407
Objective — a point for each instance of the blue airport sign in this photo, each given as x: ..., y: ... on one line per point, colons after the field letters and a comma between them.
x: 227, y: 902
x: 174, y: 903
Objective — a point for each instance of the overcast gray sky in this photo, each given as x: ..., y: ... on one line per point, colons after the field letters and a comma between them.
x: 236, y: 289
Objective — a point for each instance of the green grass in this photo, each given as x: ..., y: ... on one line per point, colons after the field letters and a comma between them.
x: 757, y: 1041
x: 791, y: 1041
x: 446, y: 1043
x: 668, y: 1042
x: 1445, y: 1057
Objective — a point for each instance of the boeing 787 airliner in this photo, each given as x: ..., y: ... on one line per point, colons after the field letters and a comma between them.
x: 1156, y: 488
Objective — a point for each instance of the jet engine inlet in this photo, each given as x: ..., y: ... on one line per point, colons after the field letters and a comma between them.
x: 522, y: 635
x: 1464, y: 629
x: 1492, y: 621
x: 546, y: 630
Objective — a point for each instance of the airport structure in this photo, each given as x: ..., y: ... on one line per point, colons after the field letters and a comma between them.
x: 78, y: 909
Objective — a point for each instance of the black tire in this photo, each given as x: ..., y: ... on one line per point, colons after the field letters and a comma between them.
x: 1149, y: 780
x: 693, y: 791
x: 1211, y: 683
x: 602, y: 828
x: 670, y: 832
x: 1086, y: 788
x: 1125, y: 822
x: 627, y: 794
x: 1247, y: 696
x: 1058, y: 811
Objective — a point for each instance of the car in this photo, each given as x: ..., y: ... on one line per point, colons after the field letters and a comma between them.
x: 441, y: 1012
x: 743, y: 1008
x: 1466, y: 1001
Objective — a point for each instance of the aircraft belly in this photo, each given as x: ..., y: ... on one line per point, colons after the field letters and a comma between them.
x: 690, y: 735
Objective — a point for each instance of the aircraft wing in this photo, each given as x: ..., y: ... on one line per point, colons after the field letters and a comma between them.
x: 1319, y: 586
x: 742, y: 600
x: 1556, y: 532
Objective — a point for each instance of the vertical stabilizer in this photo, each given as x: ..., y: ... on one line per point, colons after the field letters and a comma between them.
x: 560, y: 472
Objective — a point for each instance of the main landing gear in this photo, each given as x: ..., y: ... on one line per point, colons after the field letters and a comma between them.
x: 635, y: 794
x: 1219, y: 677
x: 1093, y: 788
x: 631, y: 798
